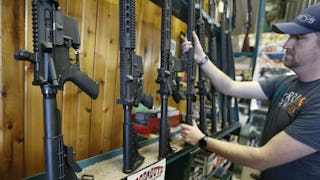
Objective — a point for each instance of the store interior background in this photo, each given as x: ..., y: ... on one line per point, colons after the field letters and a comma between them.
x: 93, y: 127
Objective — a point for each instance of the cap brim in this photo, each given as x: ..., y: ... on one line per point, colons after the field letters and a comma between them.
x: 290, y: 28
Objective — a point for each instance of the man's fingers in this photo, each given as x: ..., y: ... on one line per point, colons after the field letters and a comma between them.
x: 194, y: 122
x: 195, y: 37
x: 185, y: 39
x: 183, y: 126
x: 186, y: 46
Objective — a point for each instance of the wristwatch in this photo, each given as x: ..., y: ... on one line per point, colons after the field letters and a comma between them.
x: 203, y: 61
x: 203, y: 142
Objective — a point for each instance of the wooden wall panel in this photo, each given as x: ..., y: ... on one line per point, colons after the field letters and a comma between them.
x: 112, y: 60
x: 106, y: 55
x: 91, y: 127
x: 148, y: 44
x: 88, y: 37
x: 117, y: 119
x: 12, y: 95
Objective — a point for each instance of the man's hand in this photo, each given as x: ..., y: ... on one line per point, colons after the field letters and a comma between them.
x: 191, y: 134
x: 198, y: 51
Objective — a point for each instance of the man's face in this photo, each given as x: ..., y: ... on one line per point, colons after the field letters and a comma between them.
x: 301, y: 51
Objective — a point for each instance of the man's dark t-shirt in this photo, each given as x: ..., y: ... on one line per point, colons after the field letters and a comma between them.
x: 295, y: 109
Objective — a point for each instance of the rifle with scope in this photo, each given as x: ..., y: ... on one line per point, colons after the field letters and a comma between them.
x: 131, y: 84
x: 53, y: 35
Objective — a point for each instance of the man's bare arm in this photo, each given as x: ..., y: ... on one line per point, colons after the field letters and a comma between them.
x: 279, y: 150
x: 228, y: 86
x: 222, y: 82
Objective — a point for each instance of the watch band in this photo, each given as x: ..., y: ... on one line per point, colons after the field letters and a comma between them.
x: 203, y: 61
x: 203, y: 142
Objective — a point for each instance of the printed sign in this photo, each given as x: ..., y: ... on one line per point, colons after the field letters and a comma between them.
x: 156, y: 171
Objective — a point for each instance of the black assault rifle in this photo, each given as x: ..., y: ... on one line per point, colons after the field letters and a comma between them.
x: 227, y: 66
x: 190, y: 93
x: 212, y: 56
x: 166, y: 78
x: 203, y: 86
x: 232, y: 104
x: 53, y: 35
x: 131, y: 84
x: 224, y: 62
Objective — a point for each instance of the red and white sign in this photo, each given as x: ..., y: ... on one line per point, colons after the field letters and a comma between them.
x: 156, y: 171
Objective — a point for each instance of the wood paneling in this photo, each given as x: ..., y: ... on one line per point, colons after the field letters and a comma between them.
x: 88, y: 35
x: 12, y: 91
x: 106, y: 54
x: 91, y: 127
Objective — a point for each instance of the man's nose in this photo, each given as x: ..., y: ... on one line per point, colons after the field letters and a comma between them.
x: 288, y: 44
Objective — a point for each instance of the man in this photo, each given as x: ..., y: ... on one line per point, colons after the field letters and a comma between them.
x: 291, y: 136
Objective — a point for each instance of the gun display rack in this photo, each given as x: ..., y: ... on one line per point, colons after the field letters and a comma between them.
x: 132, y: 78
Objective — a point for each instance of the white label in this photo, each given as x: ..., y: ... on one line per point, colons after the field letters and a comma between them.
x: 156, y: 171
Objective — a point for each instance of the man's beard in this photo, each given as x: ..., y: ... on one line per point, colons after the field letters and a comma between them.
x: 290, y: 61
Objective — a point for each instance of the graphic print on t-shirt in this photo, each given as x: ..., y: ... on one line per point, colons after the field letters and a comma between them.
x: 291, y: 102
